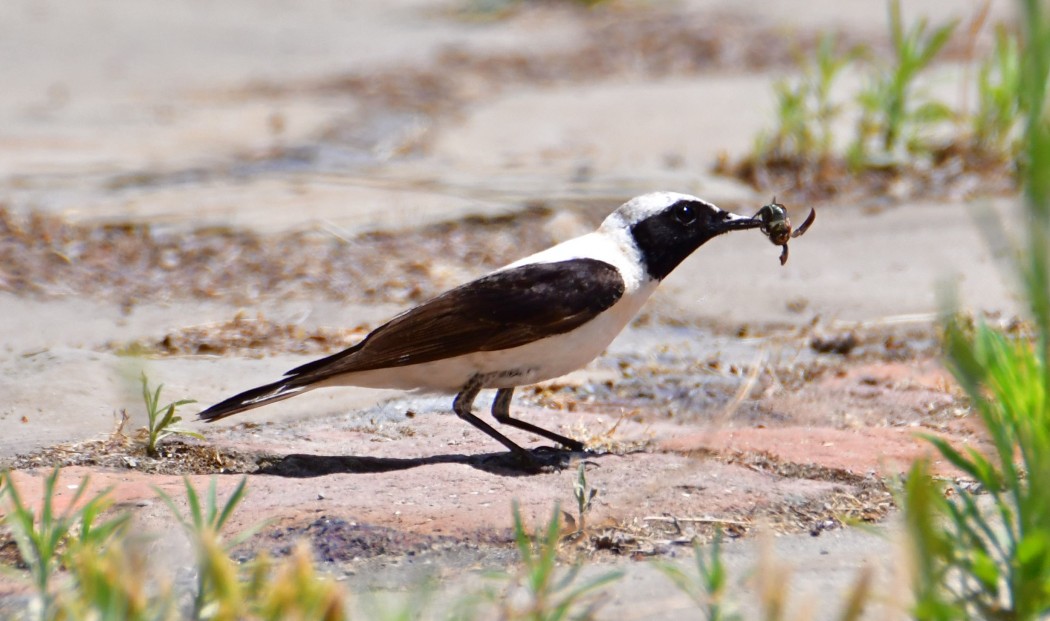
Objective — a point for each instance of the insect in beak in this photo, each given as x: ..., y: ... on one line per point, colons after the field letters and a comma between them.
x: 775, y: 223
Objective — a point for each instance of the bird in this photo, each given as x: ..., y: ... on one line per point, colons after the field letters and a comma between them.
x: 535, y: 319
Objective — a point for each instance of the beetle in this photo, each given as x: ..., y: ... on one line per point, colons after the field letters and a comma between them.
x: 777, y: 226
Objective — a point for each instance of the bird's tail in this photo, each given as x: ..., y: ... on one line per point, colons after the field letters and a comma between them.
x: 252, y: 399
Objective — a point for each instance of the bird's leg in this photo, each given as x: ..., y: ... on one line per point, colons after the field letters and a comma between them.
x: 501, y: 412
x: 463, y: 405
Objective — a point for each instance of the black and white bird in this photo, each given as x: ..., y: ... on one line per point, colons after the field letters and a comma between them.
x: 533, y: 320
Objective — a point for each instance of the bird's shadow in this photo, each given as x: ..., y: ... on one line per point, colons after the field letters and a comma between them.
x: 301, y: 466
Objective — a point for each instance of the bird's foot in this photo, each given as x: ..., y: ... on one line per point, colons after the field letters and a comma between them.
x: 548, y: 458
x: 542, y: 459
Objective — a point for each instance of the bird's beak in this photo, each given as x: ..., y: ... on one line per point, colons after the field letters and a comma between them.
x: 733, y: 222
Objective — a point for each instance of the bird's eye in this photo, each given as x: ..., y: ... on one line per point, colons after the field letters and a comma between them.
x: 685, y: 214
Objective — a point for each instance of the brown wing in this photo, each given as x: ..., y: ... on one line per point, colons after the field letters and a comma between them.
x: 499, y: 311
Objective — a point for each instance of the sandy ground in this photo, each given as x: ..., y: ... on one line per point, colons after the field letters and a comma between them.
x: 341, y: 118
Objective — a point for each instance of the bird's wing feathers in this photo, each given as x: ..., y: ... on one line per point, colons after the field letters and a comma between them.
x: 506, y: 309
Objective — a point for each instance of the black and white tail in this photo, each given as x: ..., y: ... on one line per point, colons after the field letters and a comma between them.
x: 252, y: 399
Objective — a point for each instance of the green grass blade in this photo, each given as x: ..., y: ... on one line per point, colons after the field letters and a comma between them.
x: 211, y: 507
x: 521, y: 539
x: 187, y: 525
x: 193, y: 501
x: 231, y: 503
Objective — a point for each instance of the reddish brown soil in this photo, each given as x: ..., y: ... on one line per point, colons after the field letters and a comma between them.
x: 428, y: 482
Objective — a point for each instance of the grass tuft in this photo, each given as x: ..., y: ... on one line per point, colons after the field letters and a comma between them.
x: 707, y: 588
x: 894, y: 115
x: 548, y: 594
x: 984, y: 551
x: 162, y: 419
x: 905, y: 140
x: 43, y: 535
x: 217, y: 583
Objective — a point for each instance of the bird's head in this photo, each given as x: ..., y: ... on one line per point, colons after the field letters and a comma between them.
x: 667, y: 227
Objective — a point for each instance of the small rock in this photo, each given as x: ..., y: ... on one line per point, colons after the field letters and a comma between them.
x: 841, y: 344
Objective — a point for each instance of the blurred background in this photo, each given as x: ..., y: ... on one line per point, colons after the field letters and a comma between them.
x: 327, y: 163
x: 231, y: 112
x: 204, y: 194
x: 354, y: 117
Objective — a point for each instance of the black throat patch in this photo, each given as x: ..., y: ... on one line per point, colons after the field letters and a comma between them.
x: 667, y: 238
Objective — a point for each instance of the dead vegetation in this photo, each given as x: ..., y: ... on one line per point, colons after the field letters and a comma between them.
x: 120, y: 452
x: 956, y: 171
x: 247, y: 337
x: 135, y: 262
